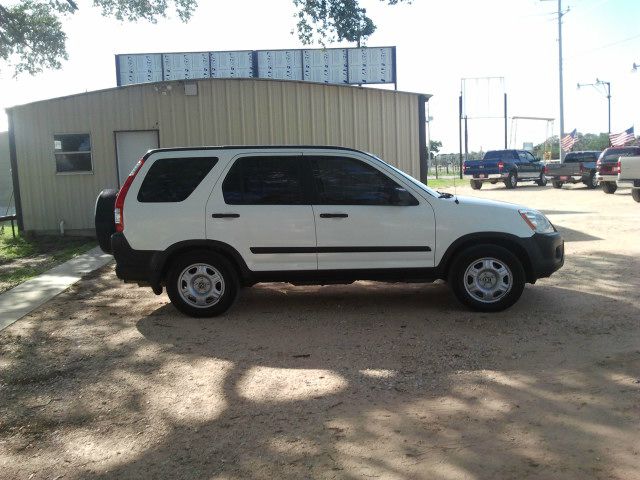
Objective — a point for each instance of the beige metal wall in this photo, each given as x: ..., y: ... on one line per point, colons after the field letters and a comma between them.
x: 5, y: 175
x: 224, y: 112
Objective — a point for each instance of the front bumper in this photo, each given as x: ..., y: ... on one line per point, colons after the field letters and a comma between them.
x: 546, y: 252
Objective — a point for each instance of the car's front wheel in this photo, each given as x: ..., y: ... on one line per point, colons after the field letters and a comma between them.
x: 202, y: 284
x: 487, y: 278
x: 542, y: 181
x: 609, y: 187
x: 592, y: 181
x: 511, y: 181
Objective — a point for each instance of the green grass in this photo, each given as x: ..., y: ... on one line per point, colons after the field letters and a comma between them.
x: 444, y: 182
x: 22, y: 258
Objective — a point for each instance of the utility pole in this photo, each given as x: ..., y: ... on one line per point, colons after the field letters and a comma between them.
x: 560, y: 14
x: 607, y: 85
x: 560, y: 77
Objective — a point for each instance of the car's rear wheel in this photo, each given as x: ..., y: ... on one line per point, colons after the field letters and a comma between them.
x: 487, y: 278
x: 104, y: 218
x: 542, y: 181
x: 609, y: 187
x: 557, y: 184
x: 635, y: 193
x: 476, y: 184
x: 512, y: 180
x: 202, y: 284
x: 592, y: 181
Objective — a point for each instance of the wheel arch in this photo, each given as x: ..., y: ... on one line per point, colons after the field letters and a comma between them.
x: 505, y: 240
x: 161, y: 261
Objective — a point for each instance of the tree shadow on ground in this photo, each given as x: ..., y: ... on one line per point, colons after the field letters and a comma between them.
x: 369, y: 380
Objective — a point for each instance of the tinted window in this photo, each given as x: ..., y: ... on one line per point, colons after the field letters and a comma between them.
x: 264, y: 181
x: 500, y: 155
x: 345, y: 181
x: 174, y: 179
x: 72, y: 152
x: 572, y: 158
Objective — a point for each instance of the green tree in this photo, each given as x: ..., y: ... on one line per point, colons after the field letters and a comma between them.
x: 32, y: 34
x: 434, y: 147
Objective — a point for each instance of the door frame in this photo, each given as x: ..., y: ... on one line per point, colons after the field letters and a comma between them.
x: 115, y: 145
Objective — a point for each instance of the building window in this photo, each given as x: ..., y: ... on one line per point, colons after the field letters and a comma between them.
x: 72, y: 152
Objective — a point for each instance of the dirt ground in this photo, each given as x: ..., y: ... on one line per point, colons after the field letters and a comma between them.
x: 363, y: 381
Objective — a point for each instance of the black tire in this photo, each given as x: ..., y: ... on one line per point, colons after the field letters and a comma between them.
x: 511, y: 181
x: 542, y: 181
x: 465, y: 259
x: 230, y: 284
x: 592, y: 181
x: 635, y: 193
x: 104, y: 219
x: 609, y: 187
x: 476, y: 184
x: 556, y: 184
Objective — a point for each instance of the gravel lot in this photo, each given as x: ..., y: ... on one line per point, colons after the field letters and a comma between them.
x: 364, y: 381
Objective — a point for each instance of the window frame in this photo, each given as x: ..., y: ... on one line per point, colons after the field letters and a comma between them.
x: 72, y: 152
x: 315, y: 195
x: 301, y: 172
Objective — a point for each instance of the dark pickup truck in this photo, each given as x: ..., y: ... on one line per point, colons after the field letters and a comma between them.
x: 508, y: 166
x: 577, y: 167
x: 607, y: 166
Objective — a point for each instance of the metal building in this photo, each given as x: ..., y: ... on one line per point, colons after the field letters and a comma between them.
x: 65, y: 150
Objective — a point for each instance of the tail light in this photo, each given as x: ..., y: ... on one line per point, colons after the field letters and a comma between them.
x: 618, y: 167
x: 546, y: 169
x: 122, y: 193
x: 500, y: 165
x: 464, y: 168
x: 582, y: 169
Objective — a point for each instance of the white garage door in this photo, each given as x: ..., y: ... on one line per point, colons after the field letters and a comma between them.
x: 130, y: 146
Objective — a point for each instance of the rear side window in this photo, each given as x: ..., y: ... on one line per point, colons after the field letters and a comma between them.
x: 572, y: 158
x: 505, y: 155
x: 174, y: 179
x: 346, y: 181
x: 264, y: 181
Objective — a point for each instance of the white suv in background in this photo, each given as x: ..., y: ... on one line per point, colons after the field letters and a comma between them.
x: 203, y: 222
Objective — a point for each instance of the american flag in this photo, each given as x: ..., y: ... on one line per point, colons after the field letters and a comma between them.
x: 621, y: 139
x: 568, y: 141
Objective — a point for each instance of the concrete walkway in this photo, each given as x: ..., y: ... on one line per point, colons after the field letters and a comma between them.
x: 26, y: 297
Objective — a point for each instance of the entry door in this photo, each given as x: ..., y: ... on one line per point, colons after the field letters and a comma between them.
x: 261, y: 207
x: 365, y: 219
x: 130, y: 147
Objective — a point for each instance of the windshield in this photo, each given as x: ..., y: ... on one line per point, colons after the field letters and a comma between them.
x: 413, y: 181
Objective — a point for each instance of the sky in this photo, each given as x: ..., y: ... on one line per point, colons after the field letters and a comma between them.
x: 438, y: 43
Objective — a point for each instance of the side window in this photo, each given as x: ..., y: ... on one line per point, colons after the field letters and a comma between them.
x: 72, y: 152
x: 346, y: 181
x: 523, y: 157
x: 174, y: 179
x: 264, y: 181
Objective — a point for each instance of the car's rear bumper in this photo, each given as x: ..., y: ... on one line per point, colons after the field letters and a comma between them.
x: 486, y: 178
x: 131, y: 265
x: 607, y: 178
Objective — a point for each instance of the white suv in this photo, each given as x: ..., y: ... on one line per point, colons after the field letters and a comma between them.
x: 203, y: 222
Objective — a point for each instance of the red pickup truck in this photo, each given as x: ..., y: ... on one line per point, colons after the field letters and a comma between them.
x: 607, y: 166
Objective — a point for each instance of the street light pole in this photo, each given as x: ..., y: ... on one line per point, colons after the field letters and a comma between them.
x: 607, y: 85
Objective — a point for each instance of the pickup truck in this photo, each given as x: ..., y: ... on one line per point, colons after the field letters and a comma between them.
x: 577, y: 167
x: 607, y: 166
x: 629, y: 172
x: 508, y: 166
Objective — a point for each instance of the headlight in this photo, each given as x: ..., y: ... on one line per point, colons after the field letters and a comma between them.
x: 537, y: 221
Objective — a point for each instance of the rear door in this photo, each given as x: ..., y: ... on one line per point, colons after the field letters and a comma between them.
x: 367, y: 220
x: 261, y: 207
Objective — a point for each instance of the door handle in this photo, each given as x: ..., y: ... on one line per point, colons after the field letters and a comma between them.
x: 225, y: 215
x: 333, y: 215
